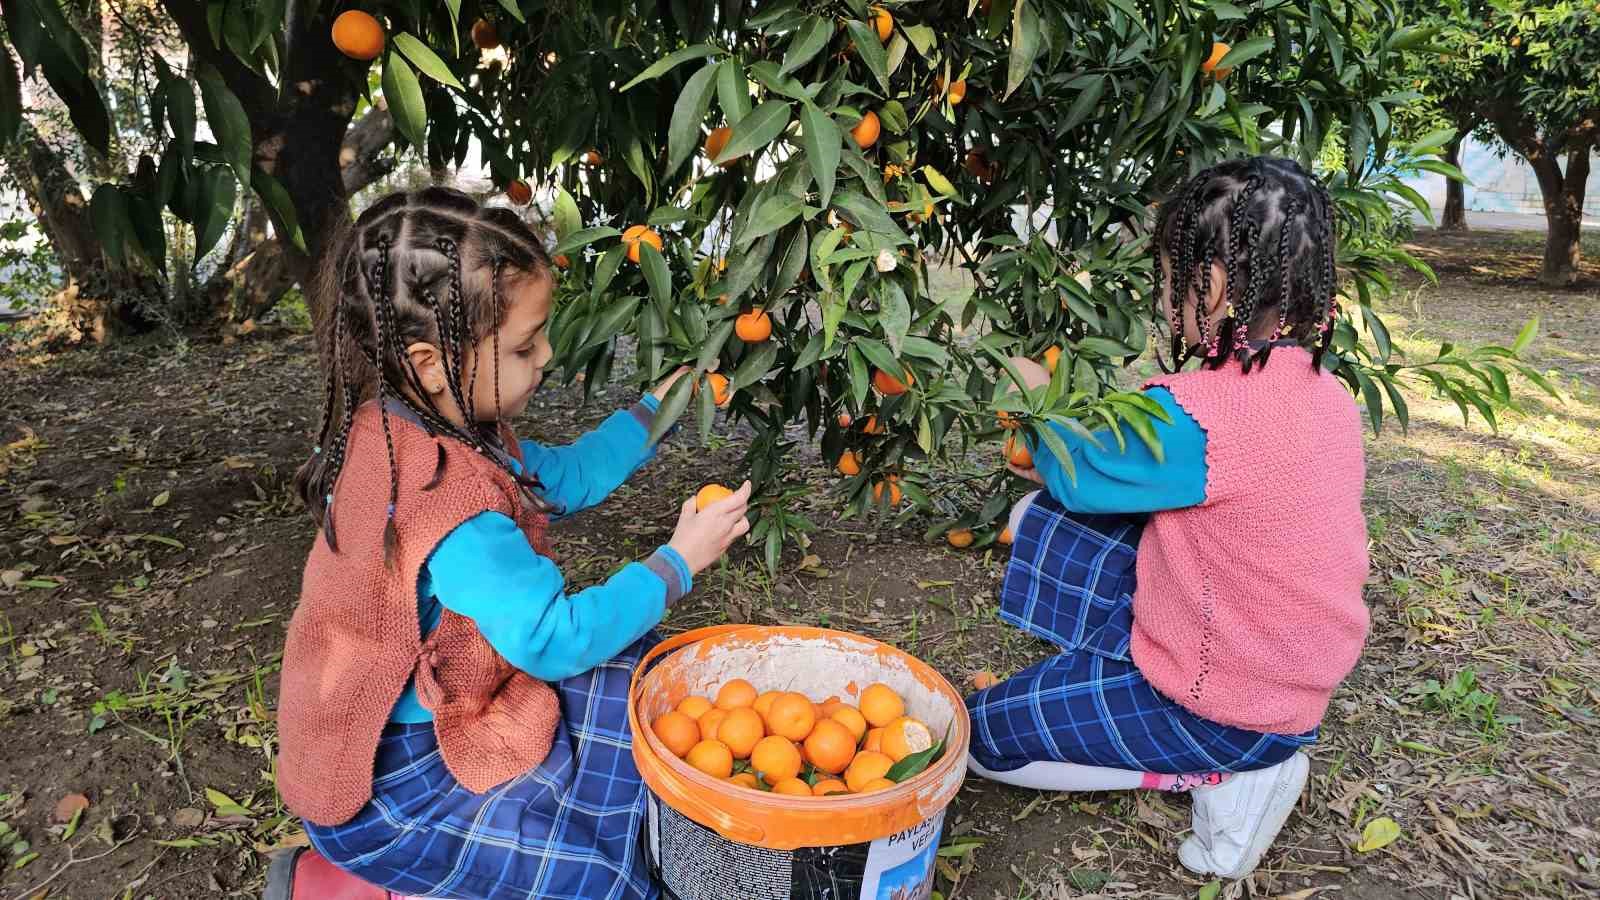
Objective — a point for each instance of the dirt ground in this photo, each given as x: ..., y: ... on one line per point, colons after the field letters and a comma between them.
x: 151, y: 556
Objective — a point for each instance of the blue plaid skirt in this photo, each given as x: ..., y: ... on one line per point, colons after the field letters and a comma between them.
x: 1070, y: 581
x: 568, y: 829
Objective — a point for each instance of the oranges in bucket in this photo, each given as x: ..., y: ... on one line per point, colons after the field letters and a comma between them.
x: 786, y: 743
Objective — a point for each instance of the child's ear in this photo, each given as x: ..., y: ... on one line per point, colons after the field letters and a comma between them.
x: 426, y: 361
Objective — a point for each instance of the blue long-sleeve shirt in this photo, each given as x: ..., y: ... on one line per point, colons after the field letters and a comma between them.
x: 486, y: 570
x: 1129, y: 479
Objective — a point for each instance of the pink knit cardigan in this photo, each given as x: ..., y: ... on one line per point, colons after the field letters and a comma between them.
x: 1248, y: 610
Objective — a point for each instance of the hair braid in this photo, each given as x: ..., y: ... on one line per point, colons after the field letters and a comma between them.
x: 1266, y: 224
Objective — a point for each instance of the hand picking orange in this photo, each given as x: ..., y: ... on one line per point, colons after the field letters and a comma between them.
x: 735, y: 694
x: 741, y: 730
x: 985, y: 679
x: 712, y: 758
x: 776, y: 759
x: 829, y: 786
x: 852, y: 720
x: 710, y: 722
x: 830, y: 747
x: 865, y: 767
x: 792, y: 787
x: 694, y: 707
x: 791, y: 717
x: 880, y: 705
x: 905, y: 736
x: 677, y: 731
x: 1017, y: 453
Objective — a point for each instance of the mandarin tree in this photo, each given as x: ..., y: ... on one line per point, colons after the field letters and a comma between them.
x: 792, y: 251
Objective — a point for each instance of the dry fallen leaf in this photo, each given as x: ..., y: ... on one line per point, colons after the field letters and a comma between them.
x: 188, y: 817
x: 67, y: 807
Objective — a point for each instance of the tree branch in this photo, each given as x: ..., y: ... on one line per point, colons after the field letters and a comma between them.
x: 361, y: 159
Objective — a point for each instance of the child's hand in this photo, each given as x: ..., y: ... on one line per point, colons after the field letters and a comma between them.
x: 702, y: 537
x: 1029, y: 473
x: 663, y: 387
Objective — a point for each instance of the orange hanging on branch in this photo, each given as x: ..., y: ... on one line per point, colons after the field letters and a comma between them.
x: 358, y: 35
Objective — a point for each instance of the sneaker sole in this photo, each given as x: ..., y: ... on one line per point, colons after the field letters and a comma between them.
x: 1285, y: 793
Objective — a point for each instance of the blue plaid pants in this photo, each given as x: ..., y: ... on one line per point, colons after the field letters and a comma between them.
x: 570, y: 828
x: 1070, y: 581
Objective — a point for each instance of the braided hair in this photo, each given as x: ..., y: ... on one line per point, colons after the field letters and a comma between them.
x: 428, y: 266
x: 1269, y: 224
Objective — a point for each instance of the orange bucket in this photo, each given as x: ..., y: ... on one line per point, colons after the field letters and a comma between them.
x: 724, y: 853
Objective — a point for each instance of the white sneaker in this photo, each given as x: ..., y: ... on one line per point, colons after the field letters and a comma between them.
x: 1236, y: 821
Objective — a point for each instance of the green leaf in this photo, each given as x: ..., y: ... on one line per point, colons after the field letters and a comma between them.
x: 1526, y: 335
x: 1408, y: 38
x: 281, y: 205
x: 511, y: 6
x: 821, y: 138
x: 78, y: 92
x: 455, y: 24
x: 568, y: 220
x: 733, y: 90
x: 1374, y: 400
x: 404, y: 93
x: 181, y: 114
x: 808, y: 43
x: 1085, y: 103
x: 226, y: 117
x: 921, y: 36
x: 225, y: 805
x: 1209, y: 891
x: 672, y: 407
x: 214, y: 188
x: 756, y: 130
x: 425, y: 59
x: 1379, y: 833
x: 1244, y: 52
x: 916, y: 763
x: 670, y: 61
x: 584, y: 238
x: 1431, y: 142
x: 755, y: 365
x: 713, y: 345
x: 881, y: 357
x: 894, y: 118
x: 656, y: 274
x: 148, y: 230
x: 1025, y: 42
x: 871, y: 51
x: 108, y: 212
x: 683, y: 135
x: 938, y: 182
x: 774, y: 212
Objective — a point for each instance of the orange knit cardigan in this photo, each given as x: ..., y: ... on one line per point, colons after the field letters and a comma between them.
x: 355, y: 641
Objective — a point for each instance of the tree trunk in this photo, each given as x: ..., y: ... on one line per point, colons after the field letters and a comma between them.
x: 101, y: 301
x: 297, y: 132
x: 1563, y: 210
x: 1455, y: 199
x: 259, y: 270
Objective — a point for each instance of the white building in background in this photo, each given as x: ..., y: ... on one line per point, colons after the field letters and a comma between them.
x: 1500, y: 184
